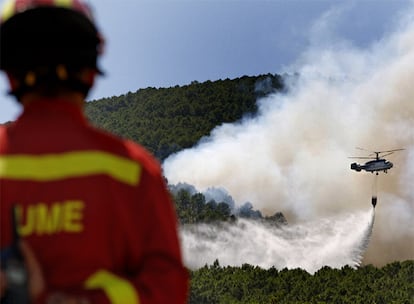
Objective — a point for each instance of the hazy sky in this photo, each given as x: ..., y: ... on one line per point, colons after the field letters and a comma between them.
x: 166, y: 43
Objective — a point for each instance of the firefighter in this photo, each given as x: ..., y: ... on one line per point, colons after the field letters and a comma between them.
x: 93, y: 208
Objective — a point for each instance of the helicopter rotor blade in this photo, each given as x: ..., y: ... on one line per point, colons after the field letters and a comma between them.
x: 391, y: 150
x: 375, y: 154
x: 385, y: 151
x: 387, y: 154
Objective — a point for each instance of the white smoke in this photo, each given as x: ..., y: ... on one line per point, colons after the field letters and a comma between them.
x: 309, y: 246
x: 292, y: 157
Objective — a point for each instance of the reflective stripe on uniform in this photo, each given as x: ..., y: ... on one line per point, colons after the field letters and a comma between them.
x: 52, y: 167
x: 117, y: 289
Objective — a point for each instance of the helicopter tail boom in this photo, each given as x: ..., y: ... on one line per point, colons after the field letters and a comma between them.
x: 356, y: 167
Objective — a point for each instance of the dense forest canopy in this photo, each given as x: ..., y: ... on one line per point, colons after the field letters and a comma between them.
x: 167, y: 120
x: 393, y: 283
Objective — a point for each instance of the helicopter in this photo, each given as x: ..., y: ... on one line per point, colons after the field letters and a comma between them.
x: 377, y: 164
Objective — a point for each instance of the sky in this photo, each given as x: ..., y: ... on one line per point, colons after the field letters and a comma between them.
x: 164, y: 43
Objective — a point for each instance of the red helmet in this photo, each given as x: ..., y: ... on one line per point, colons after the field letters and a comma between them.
x: 38, y: 36
x: 14, y: 7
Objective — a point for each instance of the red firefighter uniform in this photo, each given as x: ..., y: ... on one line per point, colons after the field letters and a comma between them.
x: 93, y: 207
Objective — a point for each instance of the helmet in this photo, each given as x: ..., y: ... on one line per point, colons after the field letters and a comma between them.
x: 48, y: 40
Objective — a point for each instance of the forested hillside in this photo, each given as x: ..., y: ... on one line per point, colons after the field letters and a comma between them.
x: 193, y: 208
x: 393, y: 283
x: 166, y: 120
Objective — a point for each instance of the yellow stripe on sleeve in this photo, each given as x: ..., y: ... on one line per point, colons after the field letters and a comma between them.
x: 52, y: 167
x: 117, y: 289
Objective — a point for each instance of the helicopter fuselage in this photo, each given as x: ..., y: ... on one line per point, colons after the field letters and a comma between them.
x: 373, y: 166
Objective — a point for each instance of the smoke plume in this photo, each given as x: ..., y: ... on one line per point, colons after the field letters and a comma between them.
x: 293, y: 156
x: 310, y: 246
